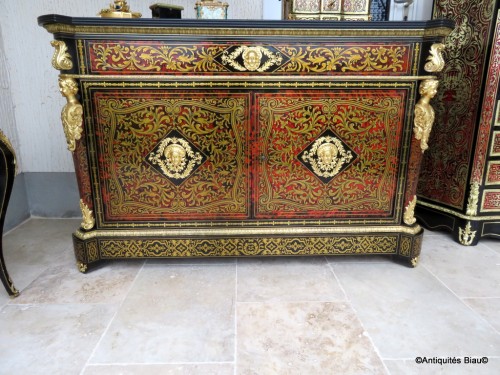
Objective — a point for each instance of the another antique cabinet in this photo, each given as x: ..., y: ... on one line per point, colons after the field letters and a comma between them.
x: 7, y: 173
x: 459, y: 187
x: 327, y: 9
x: 200, y: 138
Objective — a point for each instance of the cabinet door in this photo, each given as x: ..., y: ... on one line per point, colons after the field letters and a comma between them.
x: 331, y: 154
x: 165, y: 155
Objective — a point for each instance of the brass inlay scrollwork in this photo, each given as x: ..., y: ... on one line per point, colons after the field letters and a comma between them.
x: 88, y: 221
x: 327, y: 156
x: 424, y: 113
x: 176, y: 158
x: 72, y: 113
x: 435, y: 62
x: 252, y: 58
x: 409, y: 215
x: 156, y: 57
x: 61, y: 59
x: 466, y: 236
x: 473, y: 202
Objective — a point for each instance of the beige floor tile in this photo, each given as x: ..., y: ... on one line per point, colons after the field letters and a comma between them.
x: 492, y: 243
x: 178, y: 314
x: 33, y: 247
x: 287, y: 279
x: 409, y: 313
x: 359, y: 259
x: 488, y: 308
x: 50, y: 339
x: 303, y: 338
x: 178, y: 369
x: 469, y: 271
x: 410, y: 367
x: 65, y: 284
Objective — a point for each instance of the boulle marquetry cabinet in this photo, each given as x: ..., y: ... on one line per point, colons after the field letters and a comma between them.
x: 197, y: 138
x: 459, y: 185
x: 7, y: 173
x: 347, y: 10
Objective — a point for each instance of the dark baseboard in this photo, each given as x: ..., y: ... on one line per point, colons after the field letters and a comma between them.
x: 42, y: 194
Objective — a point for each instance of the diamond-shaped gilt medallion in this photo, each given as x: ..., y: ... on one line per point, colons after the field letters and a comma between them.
x: 175, y: 157
x: 327, y: 156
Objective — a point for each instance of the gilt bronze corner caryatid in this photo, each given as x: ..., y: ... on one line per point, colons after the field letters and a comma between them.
x: 424, y: 113
x: 72, y: 112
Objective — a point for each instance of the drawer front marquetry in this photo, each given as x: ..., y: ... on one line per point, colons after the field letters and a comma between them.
x: 493, y: 173
x: 162, y: 58
x: 491, y: 200
x: 163, y: 155
x: 329, y: 154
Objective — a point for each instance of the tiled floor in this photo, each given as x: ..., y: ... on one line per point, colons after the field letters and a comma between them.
x: 353, y: 315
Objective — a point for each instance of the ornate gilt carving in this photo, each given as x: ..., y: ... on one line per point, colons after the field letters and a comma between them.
x: 409, y: 215
x: 414, y: 261
x: 175, y: 157
x: 82, y: 267
x: 327, y: 156
x: 88, y: 221
x: 466, y: 236
x: 72, y: 113
x: 424, y: 113
x: 435, y: 62
x: 473, y: 200
x: 252, y: 59
x: 61, y: 59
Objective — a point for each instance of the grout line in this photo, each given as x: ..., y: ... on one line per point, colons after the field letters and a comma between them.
x: 367, y: 334
x: 156, y: 363
x: 113, y: 318
x: 462, y: 300
x: 235, y: 357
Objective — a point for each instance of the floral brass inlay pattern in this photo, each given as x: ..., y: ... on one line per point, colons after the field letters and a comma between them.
x: 160, y: 58
x: 72, y: 112
x: 145, y: 248
x: 133, y: 125
x: 443, y: 177
x: 290, y: 123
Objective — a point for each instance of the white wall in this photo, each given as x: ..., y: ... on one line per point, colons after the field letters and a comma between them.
x: 419, y: 10
x: 30, y: 100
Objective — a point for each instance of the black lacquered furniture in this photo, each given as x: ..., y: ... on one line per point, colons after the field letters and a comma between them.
x: 7, y: 173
